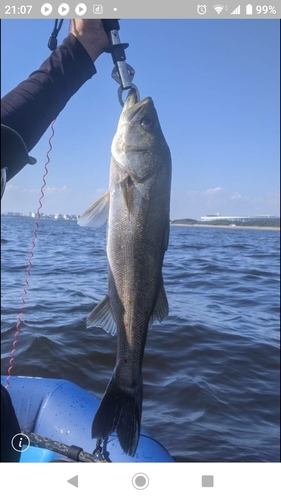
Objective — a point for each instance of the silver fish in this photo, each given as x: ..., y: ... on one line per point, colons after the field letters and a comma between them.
x: 137, y: 207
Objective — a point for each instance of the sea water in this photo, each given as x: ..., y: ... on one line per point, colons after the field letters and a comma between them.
x: 211, y: 369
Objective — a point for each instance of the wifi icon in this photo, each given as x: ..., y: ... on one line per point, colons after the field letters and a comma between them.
x: 218, y: 8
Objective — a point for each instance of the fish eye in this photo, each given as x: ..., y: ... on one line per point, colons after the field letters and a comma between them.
x: 146, y: 123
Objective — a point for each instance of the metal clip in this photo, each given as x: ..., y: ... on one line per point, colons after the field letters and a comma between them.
x: 118, y: 56
x: 116, y: 76
x: 122, y: 72
x: 120, y: 92
x: 97, y: 453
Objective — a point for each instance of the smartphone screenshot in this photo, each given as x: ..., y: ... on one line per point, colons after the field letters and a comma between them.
x: 140, y: 248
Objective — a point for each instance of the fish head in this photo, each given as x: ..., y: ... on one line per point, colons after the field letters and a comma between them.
x: 139, y: 146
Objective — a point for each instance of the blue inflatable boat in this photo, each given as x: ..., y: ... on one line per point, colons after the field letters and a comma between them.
x: 63, y: 412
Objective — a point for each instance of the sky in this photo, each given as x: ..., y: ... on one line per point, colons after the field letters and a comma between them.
x: 215, y: 85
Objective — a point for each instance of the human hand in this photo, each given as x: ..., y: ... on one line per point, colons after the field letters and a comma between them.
x: 91, y: 35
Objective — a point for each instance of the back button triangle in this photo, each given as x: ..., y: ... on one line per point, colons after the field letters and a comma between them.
x: 74, y: 481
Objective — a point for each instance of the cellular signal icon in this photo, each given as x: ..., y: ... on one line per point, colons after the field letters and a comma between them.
x: 236, y: 11
x: 218, y: 8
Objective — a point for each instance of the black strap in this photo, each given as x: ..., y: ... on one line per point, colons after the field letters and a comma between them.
x: 53, y: 43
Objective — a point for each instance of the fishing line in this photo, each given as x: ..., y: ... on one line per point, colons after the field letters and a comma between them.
x: 52, y: 44
x: 31, y: 253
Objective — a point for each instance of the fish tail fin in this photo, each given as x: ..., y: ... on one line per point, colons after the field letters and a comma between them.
x: 120, y: 411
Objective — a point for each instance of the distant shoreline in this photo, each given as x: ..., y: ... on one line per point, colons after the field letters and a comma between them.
x: 229, y: 226
x: 42, y: 217
x: 226, y: 226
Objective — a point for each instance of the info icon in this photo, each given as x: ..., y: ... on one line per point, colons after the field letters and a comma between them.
x: 20, y: 442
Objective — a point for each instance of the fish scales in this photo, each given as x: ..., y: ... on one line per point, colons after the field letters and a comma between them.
x: 137, y: 209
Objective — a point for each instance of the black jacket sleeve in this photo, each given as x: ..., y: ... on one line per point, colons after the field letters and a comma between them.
x: 36, y: 102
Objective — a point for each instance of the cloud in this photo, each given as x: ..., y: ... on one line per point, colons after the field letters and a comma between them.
x: 193, y: 193
x: 195, y: 204
x: 56, y: 199
x: 236, y: 196
x: 11, y: 188
x: 58, y: 190
x: 213, y: 191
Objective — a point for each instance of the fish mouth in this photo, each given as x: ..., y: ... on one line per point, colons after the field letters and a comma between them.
x: 132, y: 106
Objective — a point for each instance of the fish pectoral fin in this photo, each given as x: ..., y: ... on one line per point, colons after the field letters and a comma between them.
x: 126, y: 191
x: 97, y: 214
x: 102, y: 316
x: 161, y: 309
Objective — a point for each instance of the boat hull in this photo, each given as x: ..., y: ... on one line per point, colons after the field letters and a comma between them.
x: 62, y: 411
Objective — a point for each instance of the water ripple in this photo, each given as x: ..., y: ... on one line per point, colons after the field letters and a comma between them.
x: 211, y: 385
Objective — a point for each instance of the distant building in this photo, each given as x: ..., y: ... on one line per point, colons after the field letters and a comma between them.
x: 233, y: 218
x: 65, y: 217
x: 42, y: 215
x: 13, y: 214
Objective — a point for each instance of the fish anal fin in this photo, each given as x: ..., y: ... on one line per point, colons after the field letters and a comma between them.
x: 97, y: 214
x: 102, y: 316
x: 161, y: 309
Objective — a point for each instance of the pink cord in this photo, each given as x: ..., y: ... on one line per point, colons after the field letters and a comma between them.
x: 29, y: 261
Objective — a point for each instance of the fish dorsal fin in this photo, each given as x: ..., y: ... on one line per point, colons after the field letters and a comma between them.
x: 161, y: 309
x: 102, y: 316
x: 97, y: 214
